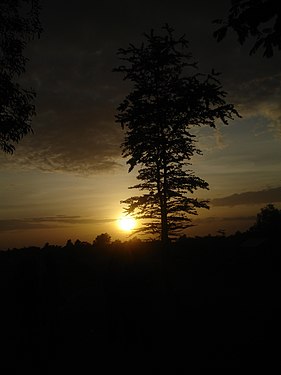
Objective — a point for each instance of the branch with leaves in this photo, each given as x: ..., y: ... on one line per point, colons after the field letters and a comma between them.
x: 260, y: 19
x: 19, y: 23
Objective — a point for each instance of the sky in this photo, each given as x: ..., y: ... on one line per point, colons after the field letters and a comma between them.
x: 67, y: 179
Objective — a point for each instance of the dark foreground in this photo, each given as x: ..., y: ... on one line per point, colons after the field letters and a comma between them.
x: 212, y: 304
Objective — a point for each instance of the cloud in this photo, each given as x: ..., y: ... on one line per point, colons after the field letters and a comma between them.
x: 83, y: 142
x: 75, y: 129
x: 252, y: 197
x: 239, y: 218
x: 218, y: 219
x: 260, y: 97
x: 49, y: 222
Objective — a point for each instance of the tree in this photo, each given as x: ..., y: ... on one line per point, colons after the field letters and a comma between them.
x: 102, y: 240
x: 260, y: 19
x: 19, y: 23
x: 157, y: 116
x: 69, y: 244
x: 268, y: 221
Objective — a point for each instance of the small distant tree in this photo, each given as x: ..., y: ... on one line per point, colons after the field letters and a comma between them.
x: 102, y: 240
x: 69, y: 244
x: 260, y: 19
x: 77, y: 243
x: 268, y: 221
x: 169, y: 98
x: 19, y: 23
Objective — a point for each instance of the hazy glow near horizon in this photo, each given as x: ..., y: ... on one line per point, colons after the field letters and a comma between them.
x: 127, y: 223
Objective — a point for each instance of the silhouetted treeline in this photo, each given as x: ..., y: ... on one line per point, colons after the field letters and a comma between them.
x: 113, y: 306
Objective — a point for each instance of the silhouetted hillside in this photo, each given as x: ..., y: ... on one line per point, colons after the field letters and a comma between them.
x: 212, y: 303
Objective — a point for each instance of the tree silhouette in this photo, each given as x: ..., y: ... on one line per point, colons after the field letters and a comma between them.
x: 19, y: 23
x: 260, y: 19
x: 164, y: 104
x: 102, y: 240
x: 268, y: 221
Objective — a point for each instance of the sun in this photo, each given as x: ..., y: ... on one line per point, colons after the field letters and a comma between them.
x: 127, y: 223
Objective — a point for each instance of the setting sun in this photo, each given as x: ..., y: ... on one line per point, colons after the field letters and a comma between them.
x: 127, y: 223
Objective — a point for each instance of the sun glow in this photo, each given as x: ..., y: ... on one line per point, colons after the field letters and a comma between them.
x: 127, y: 223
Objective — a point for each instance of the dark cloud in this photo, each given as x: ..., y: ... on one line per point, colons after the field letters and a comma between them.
x: 252, y: 197
x: 75, y: 140
x: 49, y: 222
x: 216, y: 219
x: 239, y: 218
x: 260, y: 97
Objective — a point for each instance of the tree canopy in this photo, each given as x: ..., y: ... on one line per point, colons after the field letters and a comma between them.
x: 169, y: 97
x: 260, y: 19
x: 268, y: 221
x: 19, y: 23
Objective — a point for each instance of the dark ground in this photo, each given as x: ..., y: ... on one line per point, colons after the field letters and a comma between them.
x: 213, y: 303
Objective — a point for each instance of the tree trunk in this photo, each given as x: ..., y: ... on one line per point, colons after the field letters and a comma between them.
x: 164, y: 223
x: 164, y: 212
x: 163, y: 208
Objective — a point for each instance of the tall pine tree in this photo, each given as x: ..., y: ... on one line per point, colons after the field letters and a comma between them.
x: 169, y: 97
